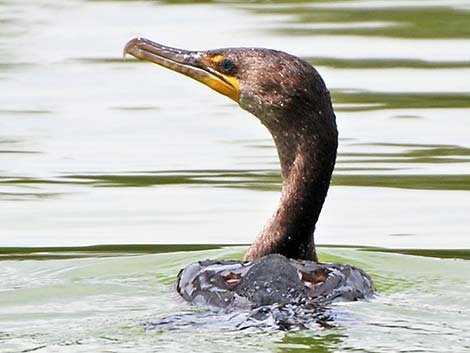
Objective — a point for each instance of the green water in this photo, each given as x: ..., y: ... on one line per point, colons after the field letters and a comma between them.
x: 97, y: 151
x: 99, y: 303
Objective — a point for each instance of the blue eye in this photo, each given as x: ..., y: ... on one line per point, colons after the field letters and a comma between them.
x: 227, y: 66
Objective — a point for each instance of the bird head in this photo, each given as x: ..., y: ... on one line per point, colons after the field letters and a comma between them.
x: 262, y: 81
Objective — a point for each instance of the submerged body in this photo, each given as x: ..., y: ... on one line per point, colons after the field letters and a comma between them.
x: 268, y: 280
x: 290, y: 98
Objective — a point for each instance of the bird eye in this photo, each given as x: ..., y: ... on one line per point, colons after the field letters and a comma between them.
x: 227, y: 66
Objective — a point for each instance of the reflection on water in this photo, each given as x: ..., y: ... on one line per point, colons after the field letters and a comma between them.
x: 406, y: 19
x: 361, y: 100
x: 366, y: 63
x: 269, y: 180
x: 78, y: 124
x: 94, y: 150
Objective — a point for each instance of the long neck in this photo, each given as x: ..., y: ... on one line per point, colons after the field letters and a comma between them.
x: 307, y: 154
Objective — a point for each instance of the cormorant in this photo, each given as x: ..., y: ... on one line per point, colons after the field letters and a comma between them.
x: 290, y: 98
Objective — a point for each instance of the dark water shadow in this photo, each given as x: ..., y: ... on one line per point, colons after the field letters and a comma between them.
x: 366, y: 100
x: 59, y: 253
x: 24, y: 111
x: 342, y: 63
x: 110, y: 250
x: 28, y: 196
x: 463, y: 254
x: 416, y: 182
x: 306, y: 342
x: 353, y: 169
x: 411, y: 22
x: 258, y: 180
x: 17, y: 152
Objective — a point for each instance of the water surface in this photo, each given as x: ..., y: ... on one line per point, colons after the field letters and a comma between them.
x: 96, y: 303
x: 94, y: 150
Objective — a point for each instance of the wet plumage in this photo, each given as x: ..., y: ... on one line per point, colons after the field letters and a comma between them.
x: 290, y: 98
